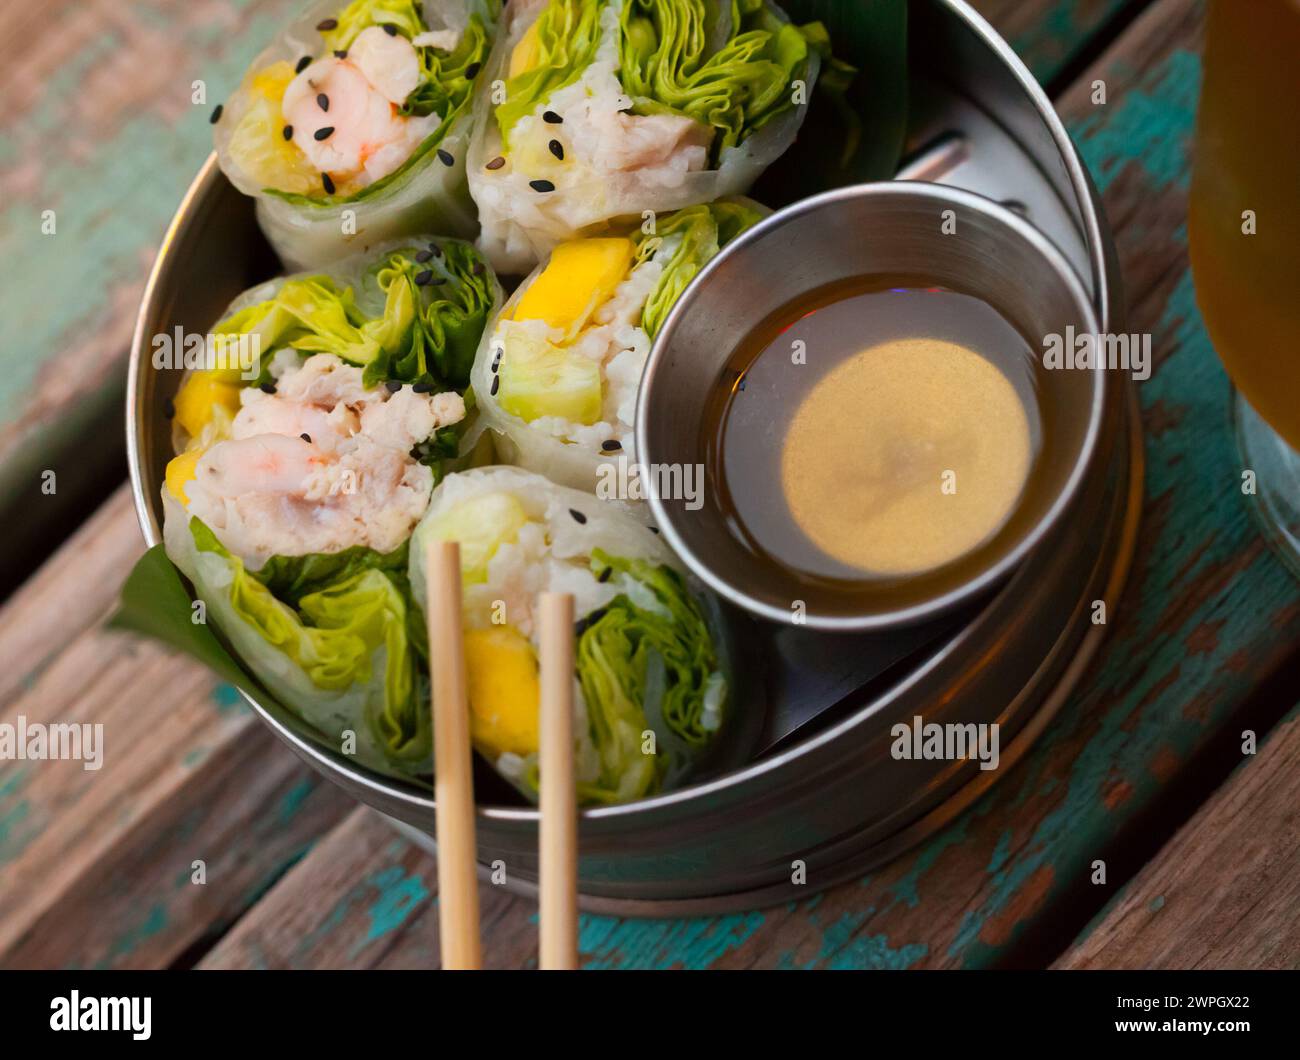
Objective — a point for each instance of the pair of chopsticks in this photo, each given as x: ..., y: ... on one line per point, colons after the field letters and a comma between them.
x: 458, y: 917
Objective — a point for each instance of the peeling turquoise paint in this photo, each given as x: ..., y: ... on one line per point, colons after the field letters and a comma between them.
x: 17, y: 829
x: 292, y: 800
x: 227, y: 699
x: 154, y: 923
x: 608, y: 942
x: 1149, y: 125
x: 1157, y: 903
x: 399, y: 894
x: 1055, y: 38
x: 112, y: 196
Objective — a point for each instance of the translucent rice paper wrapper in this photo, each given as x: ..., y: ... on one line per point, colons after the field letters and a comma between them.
x: 519, y: 226
x: 428, y: 197
x: 330, y: 713
x: 518, y: 442
x: 611, y: 529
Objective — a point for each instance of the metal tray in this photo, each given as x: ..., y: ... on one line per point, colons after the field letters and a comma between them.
x: 827, y: 793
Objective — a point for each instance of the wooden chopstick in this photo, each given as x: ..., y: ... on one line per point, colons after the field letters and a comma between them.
x: 558, y: 876
x: 458, y: 918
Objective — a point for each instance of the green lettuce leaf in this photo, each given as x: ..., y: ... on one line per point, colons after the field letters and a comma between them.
x: 333, y: 632
x: 668, y: 64
x: 449, y: 312
x: 568, y: 32
x: 290, y: 578
x: 392, y: 324
x: 694, y: 235
x: 623, y: 652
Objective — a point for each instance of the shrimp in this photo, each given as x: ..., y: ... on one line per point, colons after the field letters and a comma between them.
x: 344, y: 112
x: 320, y: 465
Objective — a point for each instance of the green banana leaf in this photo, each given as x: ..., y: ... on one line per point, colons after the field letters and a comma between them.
x: 856, y: 126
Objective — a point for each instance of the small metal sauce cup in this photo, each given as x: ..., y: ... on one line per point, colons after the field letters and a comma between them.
x: 888, y: 229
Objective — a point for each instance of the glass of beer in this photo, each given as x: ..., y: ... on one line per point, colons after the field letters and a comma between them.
x: 1244, y: 233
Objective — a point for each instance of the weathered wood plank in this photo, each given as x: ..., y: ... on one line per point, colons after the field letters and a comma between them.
x: 95, y: 865
x: 1048, y: 37
x: 1225, y: 891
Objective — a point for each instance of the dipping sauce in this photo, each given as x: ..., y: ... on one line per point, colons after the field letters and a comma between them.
x: 875, y: 432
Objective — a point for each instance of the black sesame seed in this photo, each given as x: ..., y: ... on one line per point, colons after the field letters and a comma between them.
x: 654, y: 529
x: 423, y: 278
x: 557, y: 149
x: 305, y: 437
x: 496, y: 361
x: 392, y: 385
x: 423, y: 256
x: 423, y: 388
x: 390, y: 29
x: 604, y: 575
x: 437, y: 250
x: 578, y: 517
x: 541, y: 185
x: 328, y: 183
x: 341, y: 53
x: 479, y: 268
x: 267, y: 388
x: 496, y: 385
x: 325, y: 25
x: 288, y: 132
x: 471, y: 71
x: 446, y: 157
x: 497, y: 162
x: 169, y: 409
x: 303, y: 63
x: 551, y: 118
x: 324, y: 132
x: 612, y: 446
x: 322, y: 101
x: 216, y: 114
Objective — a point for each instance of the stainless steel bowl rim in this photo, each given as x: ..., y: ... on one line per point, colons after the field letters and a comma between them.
x: 995, y: 573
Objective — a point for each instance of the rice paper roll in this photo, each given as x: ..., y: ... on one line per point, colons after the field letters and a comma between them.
x: 559, y: 369
x: 594, y: 110
x: 651, y: 688
x: 353, y: 127
x: 299, y: 479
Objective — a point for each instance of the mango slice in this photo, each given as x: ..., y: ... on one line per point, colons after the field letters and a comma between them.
x: 202, y: 394
x: 180, y: 470
x: 581, y: 276
x: 504, y: 696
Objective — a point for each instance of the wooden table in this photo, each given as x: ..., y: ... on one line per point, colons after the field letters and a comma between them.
x: 1143, y: 771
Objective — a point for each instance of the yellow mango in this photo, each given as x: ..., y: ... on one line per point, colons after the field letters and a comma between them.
x: 202, y: 394
x: 580, y: 277
x: 180, y: 470
x: 271, y: 81
x: 527, y: 53
x: 504, y: 696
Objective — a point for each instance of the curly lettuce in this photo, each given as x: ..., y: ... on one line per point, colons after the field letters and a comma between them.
x: 566, y: 35
x: 409, y: 320
x: 349, y: 614
x: 669, y: 64
x: 647, y: 660
x: 692, y: 237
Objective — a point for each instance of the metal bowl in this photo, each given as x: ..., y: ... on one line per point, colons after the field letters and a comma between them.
x: 828, y: 793
x: 894, y: 229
